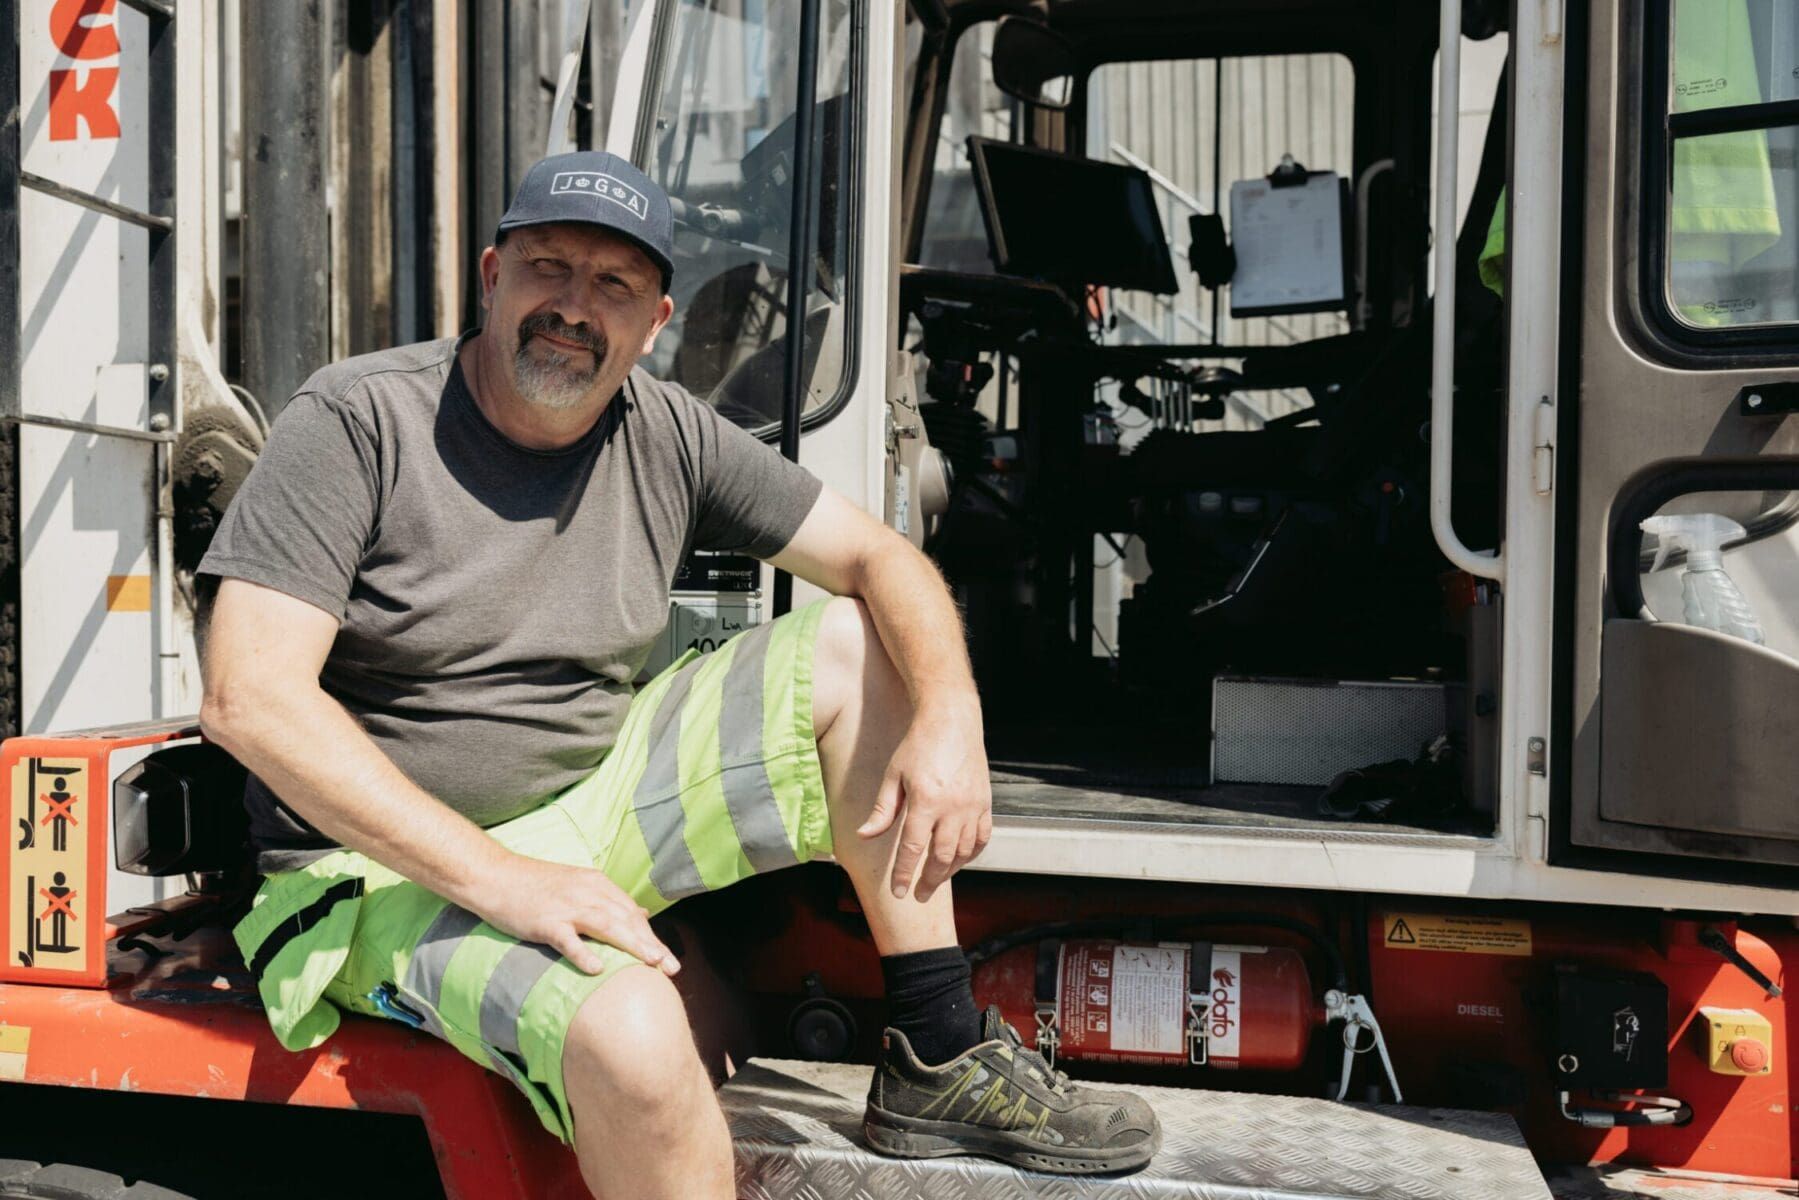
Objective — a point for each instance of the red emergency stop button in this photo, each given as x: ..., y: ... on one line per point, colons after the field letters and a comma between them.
x: 1749, y: 1055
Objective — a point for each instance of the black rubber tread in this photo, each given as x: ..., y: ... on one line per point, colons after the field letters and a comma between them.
x: 23, y: 1180
x: 909, y: 1137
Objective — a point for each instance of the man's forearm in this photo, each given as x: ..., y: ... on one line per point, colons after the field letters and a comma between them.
x: 314, y: 755
x: 919, y: 625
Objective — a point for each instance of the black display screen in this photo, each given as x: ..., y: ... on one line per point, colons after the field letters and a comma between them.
x: 1070, y: 220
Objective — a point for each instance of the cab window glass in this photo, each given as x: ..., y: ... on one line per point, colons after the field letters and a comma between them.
x: 722, y: 145
x: 1731, y: 235
x: 954, y: 237
x: 1251, y: 112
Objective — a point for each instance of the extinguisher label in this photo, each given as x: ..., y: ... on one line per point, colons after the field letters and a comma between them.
x: 1149, y: 998
x: 1124, y: 1003
x: 1224, y: 1017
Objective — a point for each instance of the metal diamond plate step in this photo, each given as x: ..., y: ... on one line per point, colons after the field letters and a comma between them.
x: 798, y: 1133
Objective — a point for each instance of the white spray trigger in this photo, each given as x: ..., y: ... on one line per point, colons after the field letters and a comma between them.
x: 1710, y: 599
x: 1704, y: 533
x: 1665, y: 537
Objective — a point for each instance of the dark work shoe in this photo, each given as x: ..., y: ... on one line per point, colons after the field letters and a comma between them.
x: 1002, y: 1100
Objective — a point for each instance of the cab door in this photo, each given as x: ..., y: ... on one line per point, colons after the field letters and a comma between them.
x: 1681, y: 320
x: 773, y: 174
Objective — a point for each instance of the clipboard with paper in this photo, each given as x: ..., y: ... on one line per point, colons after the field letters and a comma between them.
x: 1289, y: 232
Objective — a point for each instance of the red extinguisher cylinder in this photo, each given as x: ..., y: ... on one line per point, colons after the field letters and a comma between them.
x: 1167, y: 1004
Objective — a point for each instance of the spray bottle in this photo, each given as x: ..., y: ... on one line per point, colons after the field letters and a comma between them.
x: 1710, y: 599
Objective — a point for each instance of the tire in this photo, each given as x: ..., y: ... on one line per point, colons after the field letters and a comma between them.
x: 22, y: 1180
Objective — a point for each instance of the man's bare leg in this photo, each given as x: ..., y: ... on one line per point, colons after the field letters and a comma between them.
x: 861, y: 710
x: 647, y: 1121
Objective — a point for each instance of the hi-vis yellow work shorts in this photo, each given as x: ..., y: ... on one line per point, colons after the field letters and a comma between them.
x: 715, y: 777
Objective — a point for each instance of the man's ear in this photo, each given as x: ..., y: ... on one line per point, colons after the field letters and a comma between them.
x: 490, y: 274
x: 664, y: 310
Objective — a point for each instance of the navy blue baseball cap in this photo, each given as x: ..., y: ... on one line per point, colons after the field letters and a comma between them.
x: 596, y: 188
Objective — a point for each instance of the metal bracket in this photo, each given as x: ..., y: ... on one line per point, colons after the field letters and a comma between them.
x: 1048, y: 1038
x: 1198, y: 1044
x: 1536, y: 756
x: 1357, y: 1016
x: 1768, y: 399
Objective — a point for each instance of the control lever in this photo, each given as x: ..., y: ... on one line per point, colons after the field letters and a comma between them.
x: 1358, y: 1017
x: 1256, y: 554
x: 1713, y: 939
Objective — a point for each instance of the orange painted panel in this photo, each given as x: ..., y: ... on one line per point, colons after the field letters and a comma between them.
x: 127, y: 593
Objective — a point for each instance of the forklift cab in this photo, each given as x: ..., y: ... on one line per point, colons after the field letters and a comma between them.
x: 1288, y: 457
x: 1348, y: 571
x: 1176, y: 474
x: 1294, y: 394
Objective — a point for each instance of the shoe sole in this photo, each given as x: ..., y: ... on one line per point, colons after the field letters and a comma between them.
x: 910, y: 1137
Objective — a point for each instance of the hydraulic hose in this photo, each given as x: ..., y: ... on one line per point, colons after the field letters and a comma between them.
x: 1115, y: 926
x: 1653, y: 1110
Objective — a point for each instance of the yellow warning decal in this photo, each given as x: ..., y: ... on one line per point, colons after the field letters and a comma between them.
x: 1457, y: 934
x: 127, y: 593
x: 15, y: 1040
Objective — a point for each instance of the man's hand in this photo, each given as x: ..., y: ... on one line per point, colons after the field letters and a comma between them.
x: 556, y: 905
x: 938, y: 775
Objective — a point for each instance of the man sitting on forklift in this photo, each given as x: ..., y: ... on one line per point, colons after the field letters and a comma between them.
x: 436, y: 587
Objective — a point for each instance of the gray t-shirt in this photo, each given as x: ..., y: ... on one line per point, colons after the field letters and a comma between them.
x: 496, y: 601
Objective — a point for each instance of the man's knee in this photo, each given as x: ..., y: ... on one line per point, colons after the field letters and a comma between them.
x: 846, y: 635
x: 631, y: 1047
x: 850, y: 664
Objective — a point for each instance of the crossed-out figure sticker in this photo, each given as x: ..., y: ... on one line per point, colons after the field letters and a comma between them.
x: 59, y: 814
x: 50, y: 924
x: 60, y: 912
x: 59, y: 802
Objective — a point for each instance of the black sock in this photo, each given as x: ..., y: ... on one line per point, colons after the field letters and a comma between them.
x: 930, y: 1000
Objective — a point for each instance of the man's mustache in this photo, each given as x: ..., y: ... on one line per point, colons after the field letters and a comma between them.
x: 580, y: 335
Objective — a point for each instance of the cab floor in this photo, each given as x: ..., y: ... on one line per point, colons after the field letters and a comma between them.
x: 1135, y: 784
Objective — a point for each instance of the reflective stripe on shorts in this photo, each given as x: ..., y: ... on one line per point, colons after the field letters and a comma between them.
x: 714, y: 777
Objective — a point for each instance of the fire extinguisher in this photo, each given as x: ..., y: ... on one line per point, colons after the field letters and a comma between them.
x: 1163, y: 1004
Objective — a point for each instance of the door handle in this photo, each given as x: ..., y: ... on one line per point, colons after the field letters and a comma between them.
x: 1442, y: 359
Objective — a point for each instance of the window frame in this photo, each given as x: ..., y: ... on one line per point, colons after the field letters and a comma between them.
x: 856, y: 94
x: 1661, y: 127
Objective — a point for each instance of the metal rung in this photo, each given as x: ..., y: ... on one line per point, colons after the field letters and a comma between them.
x: 50, y: 187
x: 156, y: 10
x: 118, y: 431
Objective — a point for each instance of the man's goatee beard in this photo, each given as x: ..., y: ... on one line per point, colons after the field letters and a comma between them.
x: 554, y: 379
x: 552, y: 382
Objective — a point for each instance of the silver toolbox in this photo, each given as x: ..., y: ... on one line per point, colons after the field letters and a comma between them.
x: 1307, y: 731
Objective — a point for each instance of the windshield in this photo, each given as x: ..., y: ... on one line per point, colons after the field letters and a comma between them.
x: 722, y: 145
x: 954, y: 237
